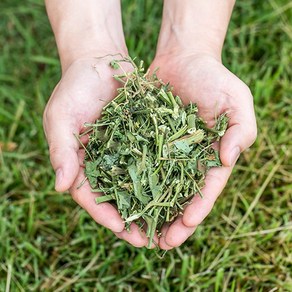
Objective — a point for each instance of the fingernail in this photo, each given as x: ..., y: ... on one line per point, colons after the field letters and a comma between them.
x: 59, y: 177
x: 235, y: 152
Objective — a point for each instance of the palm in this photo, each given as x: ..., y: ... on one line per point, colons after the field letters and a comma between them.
x: 206, y: 82
x: 86, y: 87
x: 202, y: 80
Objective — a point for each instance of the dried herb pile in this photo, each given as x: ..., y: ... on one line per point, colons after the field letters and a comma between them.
x: 148, y: 153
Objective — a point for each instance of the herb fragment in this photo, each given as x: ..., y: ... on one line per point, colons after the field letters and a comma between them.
x: 148, y: 153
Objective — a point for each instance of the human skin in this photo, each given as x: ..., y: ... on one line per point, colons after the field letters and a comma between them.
x: 189, y: 57
x: 193, y: 67
x: 84, y: 35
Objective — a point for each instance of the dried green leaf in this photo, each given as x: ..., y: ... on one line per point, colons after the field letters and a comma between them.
x: 148, y: 153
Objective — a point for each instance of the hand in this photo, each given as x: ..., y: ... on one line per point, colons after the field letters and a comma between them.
x: 202, y: 79
x: 87, y: 85
x: 85, y: 88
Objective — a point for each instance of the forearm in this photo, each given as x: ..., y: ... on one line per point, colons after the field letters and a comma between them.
x: 194, y: 26
x: 86, y: 28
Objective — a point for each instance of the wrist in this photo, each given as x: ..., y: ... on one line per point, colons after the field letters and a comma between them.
x: 174, y: 40
x: 90, y: 48
x: 83, y: 31
x: 194, y: 27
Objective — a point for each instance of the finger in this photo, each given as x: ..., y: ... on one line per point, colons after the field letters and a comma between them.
x: 177, y: 233
x: 162, y: 243
x: 155, y: 240
x: 199, y: 208
x: 135, y: 236
x: 242, y: 130
x: 81, y: 155
x: 236, y: 139
x: 63, y: 148
x: 103, y: 213
x: 84, y: 140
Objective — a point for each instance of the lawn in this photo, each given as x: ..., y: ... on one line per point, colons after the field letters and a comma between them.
x: 47, y: 243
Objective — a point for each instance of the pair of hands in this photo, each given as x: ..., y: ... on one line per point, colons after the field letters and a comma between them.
x: 87, y: 85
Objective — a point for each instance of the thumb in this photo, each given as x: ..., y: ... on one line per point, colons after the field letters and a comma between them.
x: 63, y: 148
x: 242, y: 130
x: 237, y: 138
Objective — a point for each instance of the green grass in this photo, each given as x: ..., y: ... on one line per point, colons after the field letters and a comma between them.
x: 47, y: 243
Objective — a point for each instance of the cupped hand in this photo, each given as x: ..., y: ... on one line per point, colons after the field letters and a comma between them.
x: 85, y: 88
x: 202, y: 79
